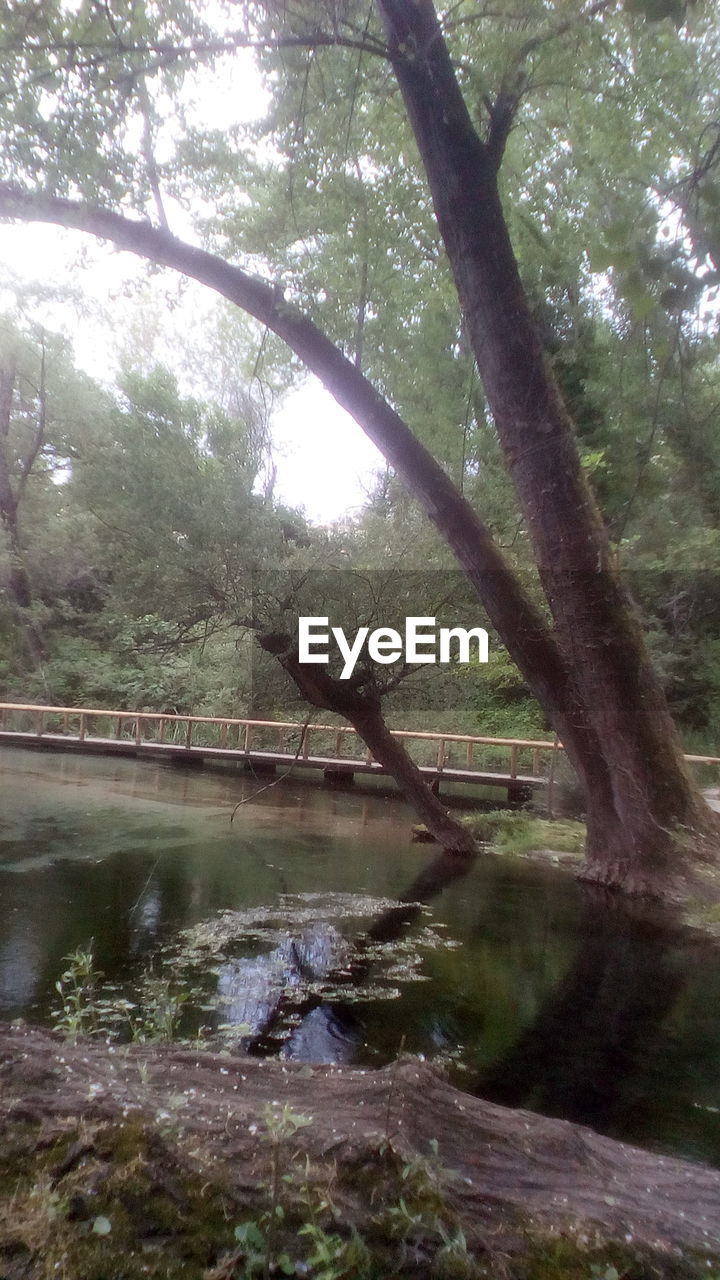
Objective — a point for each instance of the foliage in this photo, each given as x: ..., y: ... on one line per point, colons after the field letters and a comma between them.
x: 139, y: 561
x: 522, y: 832
x: 412, y: 1218
x: 77, y: 987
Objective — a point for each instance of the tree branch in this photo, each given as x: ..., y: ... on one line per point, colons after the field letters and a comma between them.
x: 166, y: 51
x: 503, y: 110
x: 519, y: 623
x: 149, y: 152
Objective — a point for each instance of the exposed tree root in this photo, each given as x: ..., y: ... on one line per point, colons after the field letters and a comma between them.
x: 153, y: 1138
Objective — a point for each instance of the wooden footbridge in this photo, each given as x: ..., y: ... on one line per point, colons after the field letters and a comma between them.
x: 519, y: 765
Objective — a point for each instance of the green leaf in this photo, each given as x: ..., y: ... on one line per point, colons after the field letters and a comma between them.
x: 250, y: 1235
x: 600, y: 258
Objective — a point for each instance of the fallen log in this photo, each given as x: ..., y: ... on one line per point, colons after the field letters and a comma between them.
x: 518, y: 1186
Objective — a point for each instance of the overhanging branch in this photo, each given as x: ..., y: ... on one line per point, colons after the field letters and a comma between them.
x: 512, y: 613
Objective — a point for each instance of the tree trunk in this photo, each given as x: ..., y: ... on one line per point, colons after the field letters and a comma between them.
x: 511, y: 611
x: 364, y: 713
x: 18, y: 581
x: 647, y: 797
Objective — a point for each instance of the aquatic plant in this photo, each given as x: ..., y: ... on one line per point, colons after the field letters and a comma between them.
x: 77, y: 987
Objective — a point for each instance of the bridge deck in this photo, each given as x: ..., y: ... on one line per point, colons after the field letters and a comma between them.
x: 273, y: 744
x: 335, y: 764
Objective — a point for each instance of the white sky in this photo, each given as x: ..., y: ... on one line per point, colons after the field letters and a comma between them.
x: 324, y: 462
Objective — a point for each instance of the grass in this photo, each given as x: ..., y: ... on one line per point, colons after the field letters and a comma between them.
x: 520, y: 833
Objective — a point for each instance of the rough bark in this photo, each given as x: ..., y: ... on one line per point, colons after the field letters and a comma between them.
x: 363, y: 711
x: 635, y: 837
x: 515, y: 1179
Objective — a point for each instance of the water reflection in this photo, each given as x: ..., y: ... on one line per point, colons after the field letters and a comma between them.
x: 554, y: 1000
x: 20, y: 962
x: 590, y: 1051
x: 256, y: 992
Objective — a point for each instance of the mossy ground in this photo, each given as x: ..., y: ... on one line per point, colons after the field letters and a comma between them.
x: 523, y: 832
x: 106, y: 1202
x: 122, y: 1202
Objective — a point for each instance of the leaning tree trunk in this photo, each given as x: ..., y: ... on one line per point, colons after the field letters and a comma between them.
x: 511, y: 611
x: 636, y: 824
x: 364, y: 712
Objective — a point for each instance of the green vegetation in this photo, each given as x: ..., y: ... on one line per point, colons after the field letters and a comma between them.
x: 105, y: 1200
x: 519, y: 833
x: 143, y: 549
x: 149, y: 499
x: 96, y: 1200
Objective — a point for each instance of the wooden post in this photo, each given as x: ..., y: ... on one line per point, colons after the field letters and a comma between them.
x: 551, y: 781
x: 513, y: 761
x: 338, y: 744
x: 470, y: 754
x: 41, y: 721
x: 246, y: 744
x: 81, y: 735
x: 188, y: 733
x: 305, y: 742
x: 441, y: 756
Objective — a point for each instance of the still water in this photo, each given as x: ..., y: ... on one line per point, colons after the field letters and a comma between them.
x: 533, y: 992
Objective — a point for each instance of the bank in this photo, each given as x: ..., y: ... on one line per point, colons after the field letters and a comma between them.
x: 121, y: 1162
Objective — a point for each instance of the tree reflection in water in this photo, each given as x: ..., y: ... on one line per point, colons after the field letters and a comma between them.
x: 585, y: 1055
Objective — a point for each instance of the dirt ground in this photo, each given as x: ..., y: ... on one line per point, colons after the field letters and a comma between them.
x: 120, y: 1162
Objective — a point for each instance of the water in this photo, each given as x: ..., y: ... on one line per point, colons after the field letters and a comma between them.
x: 548, y: 999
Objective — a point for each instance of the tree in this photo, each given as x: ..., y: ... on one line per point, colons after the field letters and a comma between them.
x: 36, y: 389
x: 589, y: 668
x: 23, y: 424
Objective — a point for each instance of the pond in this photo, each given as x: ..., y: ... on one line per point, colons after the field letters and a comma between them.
x: 532, y: 991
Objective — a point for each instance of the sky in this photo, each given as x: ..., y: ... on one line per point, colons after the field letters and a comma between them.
x: 324, y: 464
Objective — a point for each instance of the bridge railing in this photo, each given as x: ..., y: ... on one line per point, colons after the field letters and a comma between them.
x: 515, y: 757
x: 512, y: 757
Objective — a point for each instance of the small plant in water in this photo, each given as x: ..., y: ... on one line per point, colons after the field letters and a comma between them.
x: 160, y: 1010
x: 77, y: 987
